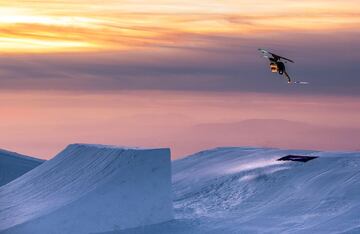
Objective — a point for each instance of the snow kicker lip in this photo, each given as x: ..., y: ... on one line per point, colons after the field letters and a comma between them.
x: 90, y: 189
x: 297, y: 158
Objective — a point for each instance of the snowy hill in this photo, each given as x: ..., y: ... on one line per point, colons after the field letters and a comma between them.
x: 13, y: 165
x: 246, y: 190
x: 90, y: 188
x: 100, y: 189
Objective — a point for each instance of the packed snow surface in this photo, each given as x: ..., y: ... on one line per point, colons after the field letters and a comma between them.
x: 246, y: 190
x: 223, y: 190
x: 89, y: 189
x: 13, y: 165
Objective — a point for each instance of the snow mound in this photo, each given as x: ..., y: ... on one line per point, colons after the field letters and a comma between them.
x: 13, y: 165
x: 89, y: 189
x: 246, y: 190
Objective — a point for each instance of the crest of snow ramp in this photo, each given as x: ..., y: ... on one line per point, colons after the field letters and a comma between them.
x: 89, y: 189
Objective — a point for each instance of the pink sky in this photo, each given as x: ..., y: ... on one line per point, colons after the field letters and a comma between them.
x: 85, y: 71
x: 43, y: 123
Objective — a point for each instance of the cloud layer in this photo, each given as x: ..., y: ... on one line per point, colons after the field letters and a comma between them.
x: 167, y: 45
x: 57, y: 26
x: 117, y: 72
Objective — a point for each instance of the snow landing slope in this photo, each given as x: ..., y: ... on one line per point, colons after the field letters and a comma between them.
x: 13, y: 165
x: 89, y: 189
x: 246, y: 190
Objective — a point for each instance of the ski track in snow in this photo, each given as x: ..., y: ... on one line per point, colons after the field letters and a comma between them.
x: 89, y: 188
x: 263, y: 195
x: 246, y: 190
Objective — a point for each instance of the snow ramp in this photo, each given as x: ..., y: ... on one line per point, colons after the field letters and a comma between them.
x: 90, y: 189
x: 247, y: 190
x: 13, y: 165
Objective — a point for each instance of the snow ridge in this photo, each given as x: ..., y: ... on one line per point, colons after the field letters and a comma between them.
x: 90, y: 188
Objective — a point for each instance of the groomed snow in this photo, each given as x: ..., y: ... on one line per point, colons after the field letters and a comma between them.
x: 245, y: 190
x: 13, y: 165
x: 89, y: 189
x: 224, y: 190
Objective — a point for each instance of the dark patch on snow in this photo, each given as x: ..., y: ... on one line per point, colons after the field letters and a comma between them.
x: 297, y: 158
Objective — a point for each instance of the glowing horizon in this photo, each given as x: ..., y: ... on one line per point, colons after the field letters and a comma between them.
x: 185, y: 76
x: 43, y: 123
x: 64, y: 26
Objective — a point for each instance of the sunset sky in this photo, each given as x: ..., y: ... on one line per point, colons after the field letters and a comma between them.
x: 163, y: 73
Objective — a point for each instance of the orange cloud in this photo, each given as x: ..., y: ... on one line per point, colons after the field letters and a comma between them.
x: 56, y: 26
